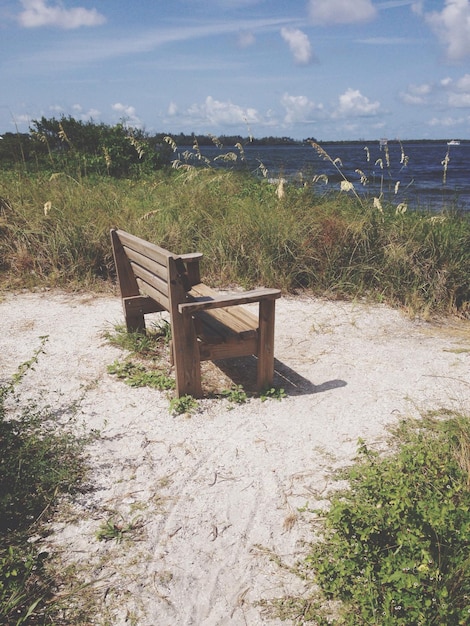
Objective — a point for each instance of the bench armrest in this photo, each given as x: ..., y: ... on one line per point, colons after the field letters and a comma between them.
x: 205, y: 303
x: 191, y: 257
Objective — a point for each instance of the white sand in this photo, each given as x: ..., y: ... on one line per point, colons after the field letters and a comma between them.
x: 210, y: 495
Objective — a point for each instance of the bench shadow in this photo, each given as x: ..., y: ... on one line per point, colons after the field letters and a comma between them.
x: 242, y: 371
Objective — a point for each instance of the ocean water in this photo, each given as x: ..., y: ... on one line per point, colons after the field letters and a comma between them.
x: 417, y: 167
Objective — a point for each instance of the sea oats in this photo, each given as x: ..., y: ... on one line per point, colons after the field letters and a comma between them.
x: 445, y: 163
x: 171, y: 142
x: 378, y: 205
x: 387, y: 155
x: 228, y: 156
x: 216, y: 141
x: 401, y: 208
x: 241, y: 150
x: 364, y: 179
x: 138, y: 145
x: 397, y: 185
x: 320, y: 151
x: 346, y: 185
x: 263, y: 169
x: 367, y: 154
x: 63, y: 135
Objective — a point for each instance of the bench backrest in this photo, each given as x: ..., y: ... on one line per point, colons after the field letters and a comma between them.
x: 145, y: 268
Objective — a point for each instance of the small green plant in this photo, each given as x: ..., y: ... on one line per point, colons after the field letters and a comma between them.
x: 142, y: 343
x: 185, y: 404
x: 396, y: 543
x: 111, y: 530
x: 138, y: 375
x: 235, y: 394
x: 275, y: 393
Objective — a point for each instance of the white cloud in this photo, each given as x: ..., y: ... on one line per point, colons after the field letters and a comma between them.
x: 353, y: 103
x: 172, y: 109
x: 464, y: 83
x: 445, y: 121
x: 460, y: 94
x: 452, y: 27
x: 84, y: 115
x: 298, y: 108
x: 341, y: 11
x: 416, y: 94
x: 246, y: 39
x: 214, y: 113
x: 299, y: 44
x: 38, y: 13
x: 459, y: 100
x: 128, y: 114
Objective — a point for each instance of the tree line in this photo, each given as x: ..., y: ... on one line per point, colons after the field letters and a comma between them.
x: 83, y: 148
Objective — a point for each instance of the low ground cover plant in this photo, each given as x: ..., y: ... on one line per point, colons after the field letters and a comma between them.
x: 394, y: 546
x: 38, y: 462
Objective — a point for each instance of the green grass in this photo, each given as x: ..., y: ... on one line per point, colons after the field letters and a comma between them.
x: 332, y: 245
x: 39, y: 462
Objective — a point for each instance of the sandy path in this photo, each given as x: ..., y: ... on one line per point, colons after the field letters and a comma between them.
x: 210, y: 495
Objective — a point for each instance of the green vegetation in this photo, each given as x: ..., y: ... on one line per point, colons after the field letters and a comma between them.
x: 148, y: 365
x: 395, y: 545
x: 54, y: 230
x: 185, y: 404
x: 111, y: 529
x: 138, y: 375
x: 38, y: 463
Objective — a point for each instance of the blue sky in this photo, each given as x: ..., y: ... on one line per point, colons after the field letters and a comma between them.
x: 329, y: 69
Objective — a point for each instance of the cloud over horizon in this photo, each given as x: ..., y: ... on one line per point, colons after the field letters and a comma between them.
x: 37, y: 13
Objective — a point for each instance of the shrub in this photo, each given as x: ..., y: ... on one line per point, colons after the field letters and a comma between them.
x: 395, y: 547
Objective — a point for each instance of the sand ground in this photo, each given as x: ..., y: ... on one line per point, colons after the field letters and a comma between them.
x: 211, y: 495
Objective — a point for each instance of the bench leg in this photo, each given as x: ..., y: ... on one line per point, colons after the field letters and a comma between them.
x: 186, y: 359
x: 266, y: 344
x: 135, y: 320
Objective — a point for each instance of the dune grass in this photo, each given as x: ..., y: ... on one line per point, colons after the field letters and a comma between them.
x: 54, y: 232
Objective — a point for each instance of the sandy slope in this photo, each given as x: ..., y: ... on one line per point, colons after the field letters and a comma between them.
x: 210, y: 495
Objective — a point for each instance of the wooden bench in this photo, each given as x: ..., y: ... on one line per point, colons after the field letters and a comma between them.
x: 204, y: 324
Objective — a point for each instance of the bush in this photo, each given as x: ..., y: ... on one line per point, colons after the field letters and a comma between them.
x: 395, y: 548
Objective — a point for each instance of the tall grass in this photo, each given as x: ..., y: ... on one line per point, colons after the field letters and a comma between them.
x: 54, y: 233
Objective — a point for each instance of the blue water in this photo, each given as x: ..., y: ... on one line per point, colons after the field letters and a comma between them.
x: 423, y: 184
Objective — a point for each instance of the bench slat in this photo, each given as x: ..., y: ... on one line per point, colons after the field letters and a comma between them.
x: 149, y: 264
x: 213, y: 329
x: 144, y: 247
x: 237, y: 317
x: 232, y: 349
x: 149, y: 290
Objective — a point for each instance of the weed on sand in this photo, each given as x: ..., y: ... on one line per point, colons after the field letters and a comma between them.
x: 40, y: 461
